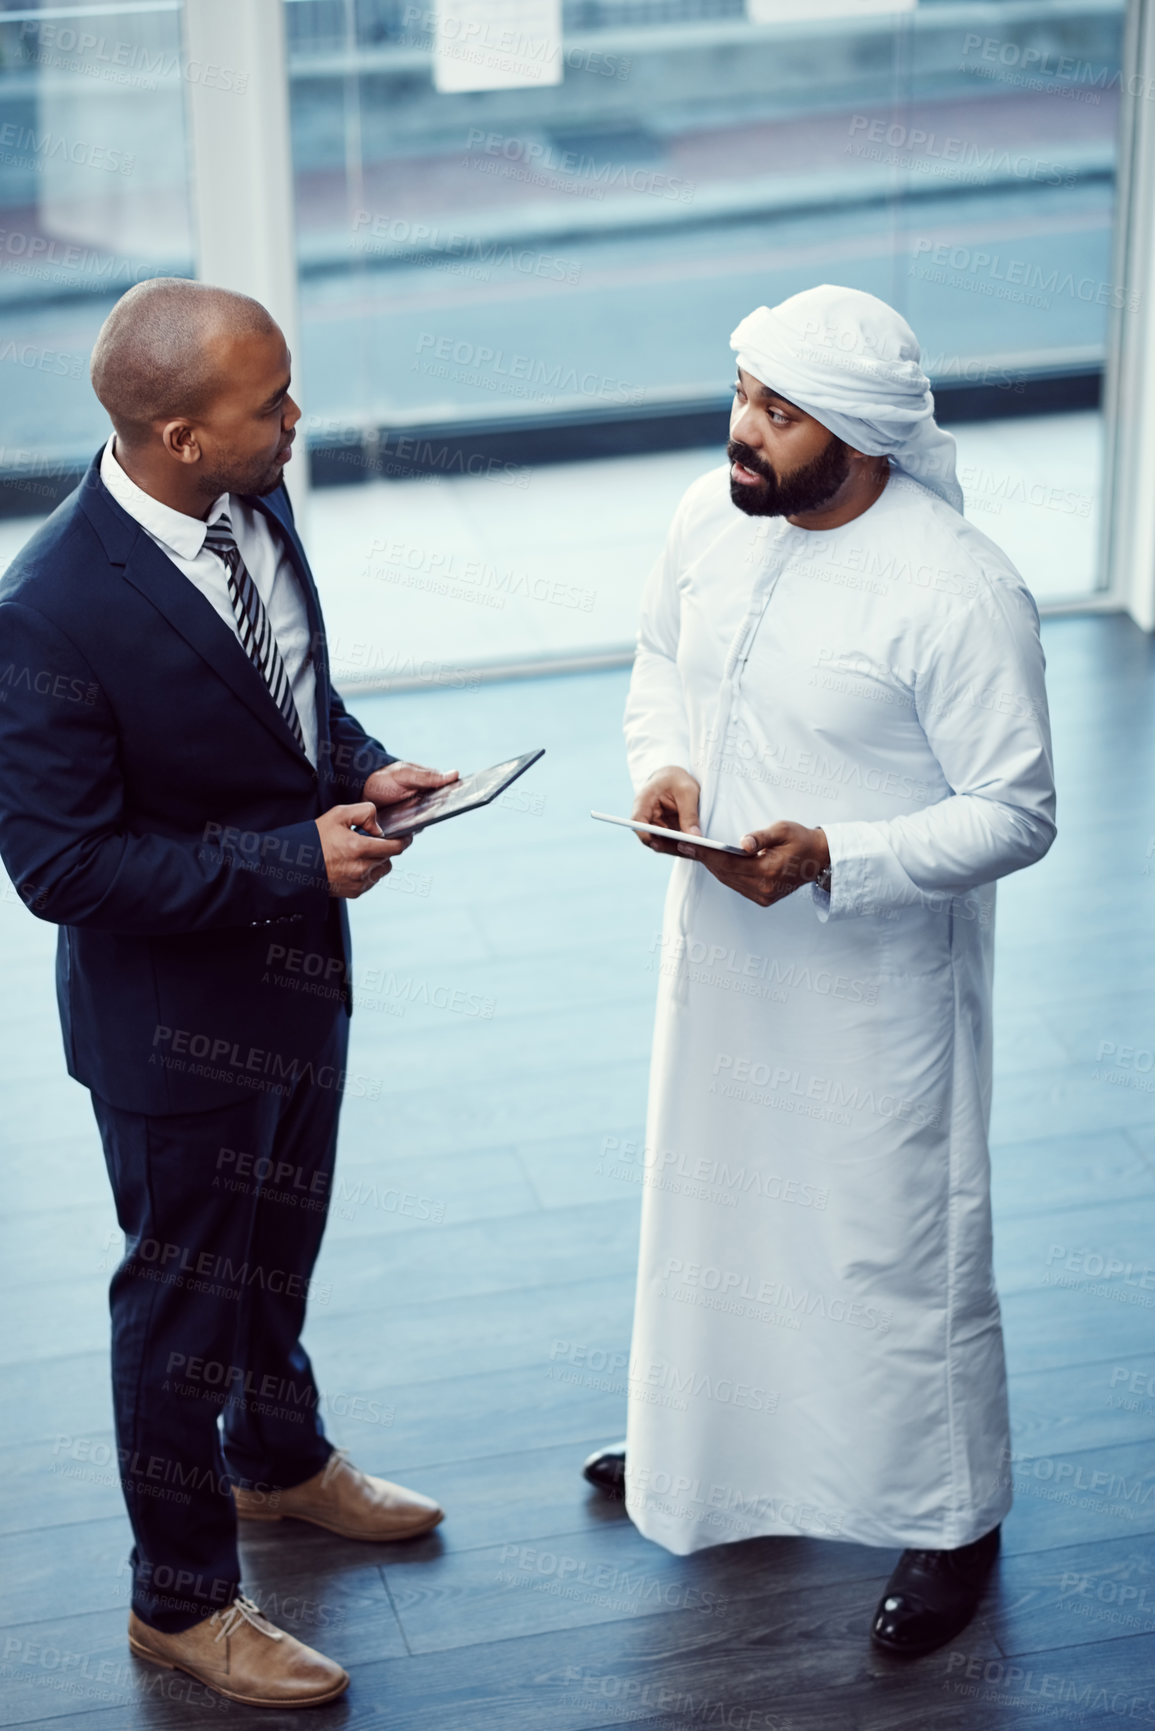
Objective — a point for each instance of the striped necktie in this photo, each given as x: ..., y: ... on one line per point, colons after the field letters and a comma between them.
x: 253, y: 628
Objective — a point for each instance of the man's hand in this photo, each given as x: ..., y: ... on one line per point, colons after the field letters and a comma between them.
x: 781, y: 860
x: 669, y: 798
x: 354, y: 863
x: 398, y: 781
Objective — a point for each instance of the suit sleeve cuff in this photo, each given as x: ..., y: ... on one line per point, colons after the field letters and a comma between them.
x: 286, y: 868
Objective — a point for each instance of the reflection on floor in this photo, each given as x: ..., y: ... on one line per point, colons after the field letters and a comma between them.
x: 473, y: 1304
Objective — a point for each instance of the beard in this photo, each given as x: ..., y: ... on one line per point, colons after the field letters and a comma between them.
x: 808, y: 488
x: 256, y: 480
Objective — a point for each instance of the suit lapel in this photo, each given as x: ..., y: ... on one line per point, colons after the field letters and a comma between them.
x: 184, y: 607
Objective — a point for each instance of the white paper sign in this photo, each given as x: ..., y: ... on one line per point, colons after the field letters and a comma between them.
x: 496, y: 44
x: 802, y: 11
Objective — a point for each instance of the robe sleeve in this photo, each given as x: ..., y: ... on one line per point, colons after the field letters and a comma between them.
x: 981, y: 701
x: 656, y: 725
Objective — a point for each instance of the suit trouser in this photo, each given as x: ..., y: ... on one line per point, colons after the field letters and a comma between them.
x: 223, y: 1213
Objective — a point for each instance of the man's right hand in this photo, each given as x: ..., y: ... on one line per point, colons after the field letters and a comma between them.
x: 669, y: 798
x: 354, y: 863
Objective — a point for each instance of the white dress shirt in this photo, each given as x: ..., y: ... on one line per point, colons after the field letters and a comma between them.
x: 182, y: 539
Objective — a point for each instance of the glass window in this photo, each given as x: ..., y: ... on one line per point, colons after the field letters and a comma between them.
x: 542, y: 260
x: 93, y: 197
x: 554, y: 271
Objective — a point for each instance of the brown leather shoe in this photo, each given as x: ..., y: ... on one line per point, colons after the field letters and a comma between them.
x: 345, y: 1500
x: 243, y: 1656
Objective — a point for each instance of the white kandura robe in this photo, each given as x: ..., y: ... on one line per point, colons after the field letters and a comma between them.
x: 817, y: 1342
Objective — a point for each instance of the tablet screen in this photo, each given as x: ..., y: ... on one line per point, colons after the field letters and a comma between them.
x: 460, y: 796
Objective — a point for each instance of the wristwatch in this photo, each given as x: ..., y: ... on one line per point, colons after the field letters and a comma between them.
x: 822, y: 881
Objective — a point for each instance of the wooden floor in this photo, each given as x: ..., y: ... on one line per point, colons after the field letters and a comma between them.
x: 476, y: 1290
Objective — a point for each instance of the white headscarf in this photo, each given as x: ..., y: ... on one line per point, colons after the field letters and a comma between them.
x: 852, y: 362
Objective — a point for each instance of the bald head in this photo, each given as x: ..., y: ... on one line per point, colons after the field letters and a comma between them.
x: 165, y: 351
x: 196, y: 381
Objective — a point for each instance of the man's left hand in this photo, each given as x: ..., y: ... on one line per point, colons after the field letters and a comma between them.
x: 400, y: 781
x: 779, y: 861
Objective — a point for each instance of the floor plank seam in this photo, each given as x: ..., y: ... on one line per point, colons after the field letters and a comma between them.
x: 381, y: 1567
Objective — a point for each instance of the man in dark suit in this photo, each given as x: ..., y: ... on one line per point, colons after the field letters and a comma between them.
x: 186, y: 797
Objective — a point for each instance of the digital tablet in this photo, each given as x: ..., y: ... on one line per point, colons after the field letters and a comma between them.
x: 670, y: 834
x: 460, y: 796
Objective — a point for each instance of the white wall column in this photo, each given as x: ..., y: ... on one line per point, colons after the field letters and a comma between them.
x: 237, y: 94
x: 1127, y: 539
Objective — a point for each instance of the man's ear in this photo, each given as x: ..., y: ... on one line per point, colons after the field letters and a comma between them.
x: 868, y: 461
x: 180, y: 441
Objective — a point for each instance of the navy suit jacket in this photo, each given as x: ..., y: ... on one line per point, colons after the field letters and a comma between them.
x: 155, y: 806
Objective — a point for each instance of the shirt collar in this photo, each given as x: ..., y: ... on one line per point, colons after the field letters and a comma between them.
x: 182, y: 535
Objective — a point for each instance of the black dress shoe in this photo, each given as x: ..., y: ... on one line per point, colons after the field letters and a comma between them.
x: 606, y: 1468
x: 932, y: 1596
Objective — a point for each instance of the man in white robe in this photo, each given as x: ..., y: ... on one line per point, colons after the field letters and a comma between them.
x: 840, y: 672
